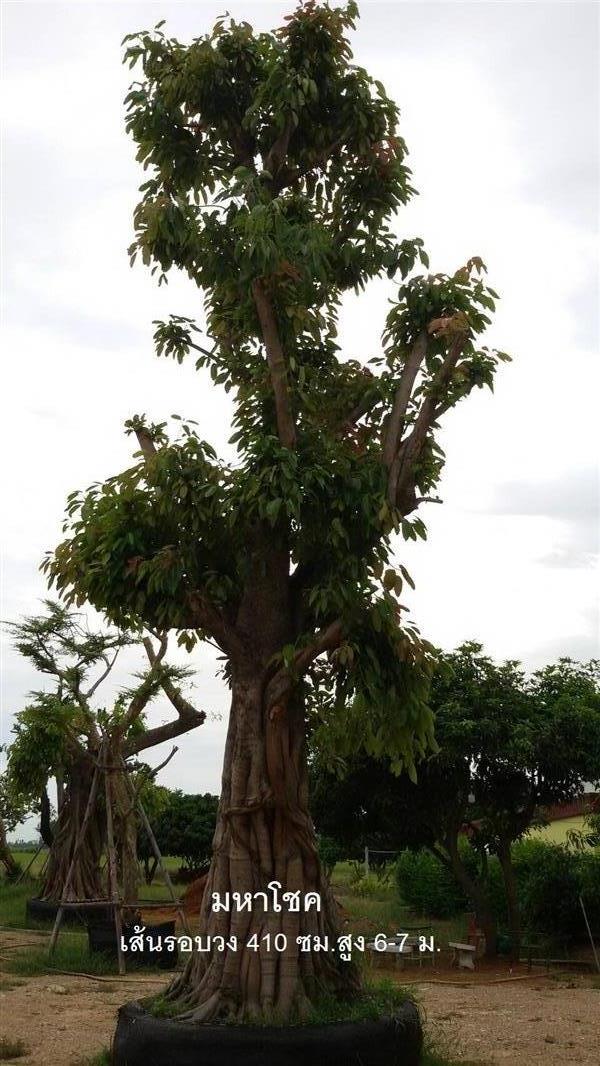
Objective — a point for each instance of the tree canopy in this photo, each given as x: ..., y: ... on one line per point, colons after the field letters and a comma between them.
x: 275, y: 169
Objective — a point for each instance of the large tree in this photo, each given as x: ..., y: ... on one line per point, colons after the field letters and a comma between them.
x: 275, y: 171
x: 62, y: 732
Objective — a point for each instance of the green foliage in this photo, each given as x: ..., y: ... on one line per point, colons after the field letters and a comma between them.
x: 185, y: 827
x: 367, y: 886
x: 550, y: 880
x: 275, y: 169
x: 428, y: 887
x: 330, y: 853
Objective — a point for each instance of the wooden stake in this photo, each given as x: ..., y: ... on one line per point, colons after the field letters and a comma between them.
x: 155, y: 849
x: 113, y: 884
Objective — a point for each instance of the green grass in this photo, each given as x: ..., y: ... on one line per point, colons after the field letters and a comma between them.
x: 71, y: 955
x: 12, y: 903
x: 12, y: 1049
x: 379, y: 999
x: 102, y: 1058
x: 13, y: 898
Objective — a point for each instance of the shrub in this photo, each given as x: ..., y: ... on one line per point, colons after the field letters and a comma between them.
x: 367, y: 886
x: 550, y: 879
x: 427, y: 886
x: 330, y: 852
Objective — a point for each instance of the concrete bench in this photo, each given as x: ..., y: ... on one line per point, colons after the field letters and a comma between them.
x: 464, y: 955
x: 392, y: 947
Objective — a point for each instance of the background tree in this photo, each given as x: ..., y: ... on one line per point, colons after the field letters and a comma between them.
x: 14, y: 808
x: 509, y: 746
x: 185, y: 827
x: 62, y: 732
x: 275, y: 168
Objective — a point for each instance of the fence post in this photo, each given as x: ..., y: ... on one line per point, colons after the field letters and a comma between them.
x: 366, y: 861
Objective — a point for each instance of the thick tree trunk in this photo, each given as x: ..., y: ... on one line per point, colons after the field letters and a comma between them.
x: 483, y: 909
x: 12, y: 868
x: 264, y: 833
x: 510, y: 885
x: 45, y: 821
x: 86, y: 882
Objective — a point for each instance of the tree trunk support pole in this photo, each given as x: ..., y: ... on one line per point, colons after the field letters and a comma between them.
x: 29, y: 865
x: 113, y: 883
x: 597, y: 960
x: 155, y: 848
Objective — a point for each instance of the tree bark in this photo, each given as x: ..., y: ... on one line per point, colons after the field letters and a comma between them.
x: 45, y: 822
x: 86, y: 882
x: 483, y: 909
x: 124, y: 815
x: 510, y: 885
x: 12, y: 868
x: 264, y: 833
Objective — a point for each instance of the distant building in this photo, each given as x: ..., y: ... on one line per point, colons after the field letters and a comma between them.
x: 562, y: 818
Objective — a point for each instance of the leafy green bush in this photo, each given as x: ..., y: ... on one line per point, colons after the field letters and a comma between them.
x: 550, y: 879
x: 330, y: 852
x: 427, y: 886
x: 367, y: 886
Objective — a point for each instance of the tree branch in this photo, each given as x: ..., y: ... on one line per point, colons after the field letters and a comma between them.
x: 277, y: 366
x: 145, y: 690
x: 109, y: 665
x: 151, y: 737
x: 410, y: 449
x: 147, y: 445
x: 183, y: 707
x: 395, y: 425
x: 282, y: 682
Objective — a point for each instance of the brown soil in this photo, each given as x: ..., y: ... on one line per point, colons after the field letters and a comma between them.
x: 64, y: 1018
x: 525, y: 1023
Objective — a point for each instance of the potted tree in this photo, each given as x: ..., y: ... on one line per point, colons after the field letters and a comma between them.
x: 60, y: 733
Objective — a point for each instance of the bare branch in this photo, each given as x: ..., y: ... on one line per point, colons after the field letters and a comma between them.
x: 151, y: 737
x: 410, y: 449
x: 277, y: 366
x: 183, y: 707
x: 109, y: 665
x: 145, y: 690
x: 147, y: 445
x: 395, y: 424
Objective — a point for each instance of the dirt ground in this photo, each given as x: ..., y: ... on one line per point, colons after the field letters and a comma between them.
x: 64, y: 1018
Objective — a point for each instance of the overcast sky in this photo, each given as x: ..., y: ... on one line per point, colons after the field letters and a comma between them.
x: 499, y: 106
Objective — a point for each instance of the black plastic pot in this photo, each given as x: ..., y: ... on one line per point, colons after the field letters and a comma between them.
x: 102, y: 937
x: 42, y: 910
x: 142, y: 1040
